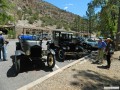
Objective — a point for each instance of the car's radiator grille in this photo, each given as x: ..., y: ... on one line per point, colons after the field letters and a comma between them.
x: 72, y: 47
x: 36, y: 51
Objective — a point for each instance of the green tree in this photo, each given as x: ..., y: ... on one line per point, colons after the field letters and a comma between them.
x: 76, y: 24
x: 4, y: 12
x: 107, y: 17
x: 91, y: 17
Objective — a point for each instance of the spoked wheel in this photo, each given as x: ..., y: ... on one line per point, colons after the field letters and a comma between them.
x: 89, y: 48
x: 51, y: 60
x: 61, y: 55
x: 85, y: 51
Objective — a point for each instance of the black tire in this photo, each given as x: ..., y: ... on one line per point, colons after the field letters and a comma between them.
x: 17, y: 65
x: 85, y: 51
x: 89, y: 48
x: 51, y: 60
x: 61, y: 55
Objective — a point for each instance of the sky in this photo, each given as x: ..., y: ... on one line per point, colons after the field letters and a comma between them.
x: 78, y: 7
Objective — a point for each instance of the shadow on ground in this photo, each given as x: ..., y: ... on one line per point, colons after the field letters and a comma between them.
x: 27, y: 66
x: 71, y: 57
x: 91, y: 80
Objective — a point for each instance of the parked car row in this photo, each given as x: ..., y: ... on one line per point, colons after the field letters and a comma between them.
x: 61, y: 44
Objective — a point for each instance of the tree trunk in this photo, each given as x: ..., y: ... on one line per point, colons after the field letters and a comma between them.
x: 118, y: 30
x: 119, y: 21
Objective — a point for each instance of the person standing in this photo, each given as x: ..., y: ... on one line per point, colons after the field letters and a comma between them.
x: 108, y: 53
x: 101, y: 49
x: 2, y: 47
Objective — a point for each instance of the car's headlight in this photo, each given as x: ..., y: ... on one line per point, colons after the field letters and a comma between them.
x: 64, y: 48
x: 27, y: 52
x: 76, y: 48
x: 68, y: 48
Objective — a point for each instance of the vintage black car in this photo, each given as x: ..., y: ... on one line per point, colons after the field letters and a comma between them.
x: 33, y: 48
x: 63, y: 44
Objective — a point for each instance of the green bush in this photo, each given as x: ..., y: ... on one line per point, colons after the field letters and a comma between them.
x: 42, y: 25
x: 31, y: 20
x: 11, y: 34
x: 20, y: 14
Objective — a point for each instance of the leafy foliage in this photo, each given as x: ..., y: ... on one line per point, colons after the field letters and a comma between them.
x: 106, y: 19
x: 11, y: 34
x: 4, y: 10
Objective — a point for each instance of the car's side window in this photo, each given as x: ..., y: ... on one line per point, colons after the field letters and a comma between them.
x: 90, y: 40
x: 56, y: 35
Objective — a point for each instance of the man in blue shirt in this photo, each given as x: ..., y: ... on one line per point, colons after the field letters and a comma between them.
x: 101, y: 49
x: 2, y: 48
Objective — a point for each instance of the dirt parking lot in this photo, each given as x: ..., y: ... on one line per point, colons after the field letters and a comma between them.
x: 84, y: 76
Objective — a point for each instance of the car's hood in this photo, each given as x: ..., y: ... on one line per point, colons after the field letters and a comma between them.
x: 66, y: 43
x: 92, y: 43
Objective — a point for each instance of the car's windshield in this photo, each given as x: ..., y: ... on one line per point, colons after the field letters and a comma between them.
x: 82, y: 39
x: 66, y: 37
x: 29, y: 37
x: 90, y: 40
x: 44, y: 35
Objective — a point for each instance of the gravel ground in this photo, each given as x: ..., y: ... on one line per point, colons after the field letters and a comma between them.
x: 84, y: 76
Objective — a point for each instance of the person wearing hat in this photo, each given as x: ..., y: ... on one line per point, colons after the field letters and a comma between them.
x: 2, y: 48
x: 108, y: 53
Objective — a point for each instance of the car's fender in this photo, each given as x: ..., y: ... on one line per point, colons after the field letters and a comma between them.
x: 19, y: 52
x: 51, y: 51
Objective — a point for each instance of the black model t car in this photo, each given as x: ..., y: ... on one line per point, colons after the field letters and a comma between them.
x: 63, y: 44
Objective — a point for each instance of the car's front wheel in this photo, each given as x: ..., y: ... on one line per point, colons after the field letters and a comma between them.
x: 17, y: 64
x: 89, y: 48
x: 61, y: 55
x: 51, y: 60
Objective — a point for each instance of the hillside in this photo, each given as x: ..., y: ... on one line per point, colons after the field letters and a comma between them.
x: 34, y: 10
